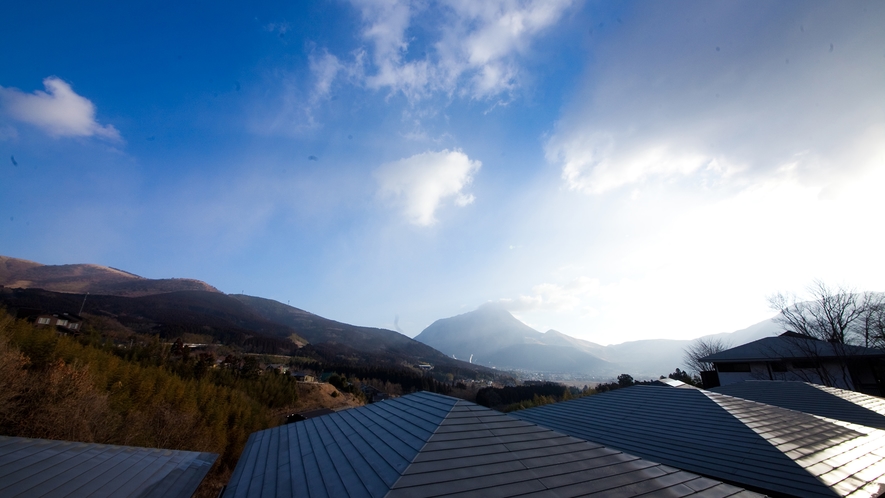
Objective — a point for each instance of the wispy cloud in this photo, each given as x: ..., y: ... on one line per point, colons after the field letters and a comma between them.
x: 420, y: 183
x: 385, y: 29
x: 325, y: 68
x: 485, y: 38
x: 474, y: 52
x: 568, y: 296
x: 58, y: 111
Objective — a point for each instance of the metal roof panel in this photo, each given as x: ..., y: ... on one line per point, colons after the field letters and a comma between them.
x: 39, y: 467
x: 464, y: 450
x: 830, y: 402
x: 753, y: 444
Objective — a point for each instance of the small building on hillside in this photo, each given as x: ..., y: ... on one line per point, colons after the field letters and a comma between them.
x: 303, y: 377
x: 796, y: 357
x: 69, y: 323
x: 277, y: 368
x: 373, y: 394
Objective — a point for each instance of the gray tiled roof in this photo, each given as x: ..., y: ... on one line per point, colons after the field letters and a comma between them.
x: 830, y: 402
x: 786, y: 346
x: 42, y: 468
x: 357, y: 452
x: 751, y: 444
x: 424, y: 445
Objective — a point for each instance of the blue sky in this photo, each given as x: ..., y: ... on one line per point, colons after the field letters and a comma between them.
x: 616, y: 171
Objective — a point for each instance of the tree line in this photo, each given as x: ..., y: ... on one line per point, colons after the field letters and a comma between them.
x: 511, y: 398
x: 400, y: 380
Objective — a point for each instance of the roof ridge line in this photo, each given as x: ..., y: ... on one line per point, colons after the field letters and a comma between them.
x: 412, y: 462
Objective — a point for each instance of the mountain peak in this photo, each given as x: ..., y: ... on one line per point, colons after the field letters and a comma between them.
x: 492, y: 307
x: 491, y: 336
x: 478, y: 332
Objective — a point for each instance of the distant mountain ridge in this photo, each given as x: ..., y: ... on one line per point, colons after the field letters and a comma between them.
x: 491, y: 336
x: 354, y: 339
x: 493, y: 324
x: 94, y: 279
x: 171, y: 307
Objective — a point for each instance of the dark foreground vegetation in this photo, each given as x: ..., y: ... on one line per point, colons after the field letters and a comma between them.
x: 59, y: 387
x: 511, y: 398
x: 532, y: 394
x: 114, y: 386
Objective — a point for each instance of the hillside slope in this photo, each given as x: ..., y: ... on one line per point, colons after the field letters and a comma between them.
x: 381, y: 345
x: 172, y: 314
x: 171, y: 307
x: 478, y: 333
x: 94, y: 279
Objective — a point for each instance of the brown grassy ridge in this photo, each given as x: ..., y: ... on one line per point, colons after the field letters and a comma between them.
x: 83, y: 278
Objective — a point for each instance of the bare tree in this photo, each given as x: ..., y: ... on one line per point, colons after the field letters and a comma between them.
x: 830, y: 324
x: 835, y: 315
x: 700, y: 348
x: 872, y: 321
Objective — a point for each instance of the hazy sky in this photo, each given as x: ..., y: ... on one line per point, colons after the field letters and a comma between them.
x: 615, y: 171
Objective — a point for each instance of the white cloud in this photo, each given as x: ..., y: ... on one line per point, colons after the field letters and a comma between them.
x: 420, y: 183
x: 687, y: 95
x: 571, y: 296
x: 596, y: 163
x: 325, y: 68
x: 59, y: 111
x: 485, y: 36
x: 474, y: 52
x: 385, y: 28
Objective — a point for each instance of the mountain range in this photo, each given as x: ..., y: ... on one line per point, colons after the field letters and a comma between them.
x: 491, y: 336
x: 469, y: 343
x: 171, y: 307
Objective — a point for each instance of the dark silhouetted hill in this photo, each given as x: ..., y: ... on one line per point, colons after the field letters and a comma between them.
x: 367, y: 343
x: 170, y: 315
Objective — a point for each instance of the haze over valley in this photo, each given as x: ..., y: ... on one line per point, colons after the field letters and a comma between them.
x: 487, y: 337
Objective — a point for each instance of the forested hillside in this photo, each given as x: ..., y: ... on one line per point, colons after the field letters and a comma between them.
x: 110, y: 384
x: 58, y: 387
